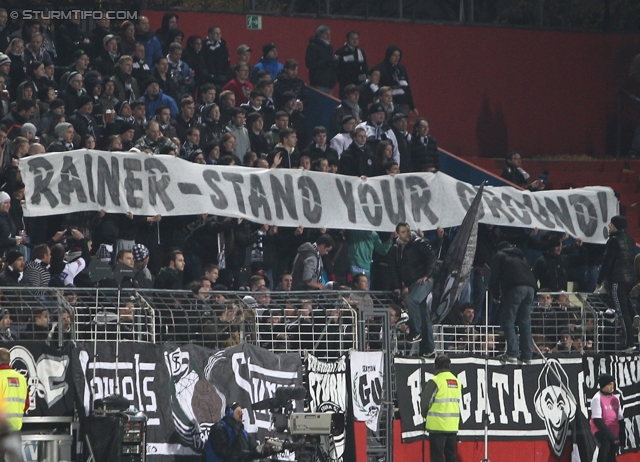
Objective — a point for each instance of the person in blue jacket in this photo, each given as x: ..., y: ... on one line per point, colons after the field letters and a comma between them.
x: 229, y: 441
x: 154, y: 97
x: 269, y: 61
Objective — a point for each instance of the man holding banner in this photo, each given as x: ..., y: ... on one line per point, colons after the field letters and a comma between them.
x: 413, y: 262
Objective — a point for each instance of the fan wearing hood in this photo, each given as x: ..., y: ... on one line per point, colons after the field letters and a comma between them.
x: 393, y: 74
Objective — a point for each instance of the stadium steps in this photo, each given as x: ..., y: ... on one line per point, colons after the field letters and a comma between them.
x: 623, y: 176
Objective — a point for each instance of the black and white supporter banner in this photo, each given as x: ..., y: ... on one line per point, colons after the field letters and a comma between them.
x: 367, y: 380
x: 183, y: 389
x: 86, y: 180
x: 328, y: 390
x: 49, y: 378
x: 524, y: 402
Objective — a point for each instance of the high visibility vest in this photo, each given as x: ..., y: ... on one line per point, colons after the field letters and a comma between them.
x: 444, y: 413
x: 13, y: 388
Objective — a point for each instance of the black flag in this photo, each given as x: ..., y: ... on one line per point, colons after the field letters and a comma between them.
x: 457, y: 265
x: 584, y: 443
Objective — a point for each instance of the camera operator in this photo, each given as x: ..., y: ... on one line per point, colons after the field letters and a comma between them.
x: 229, y: 441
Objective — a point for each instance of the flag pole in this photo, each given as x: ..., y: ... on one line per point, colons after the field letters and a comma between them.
x: 485, y: 414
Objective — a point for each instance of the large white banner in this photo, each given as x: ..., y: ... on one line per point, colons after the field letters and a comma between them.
x: 367, y: 380
x: 85, y: 180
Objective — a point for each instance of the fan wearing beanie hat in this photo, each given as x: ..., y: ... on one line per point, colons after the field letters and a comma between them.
x: 65, y: 132
x: 4, y: 59
x: 606, y: 419
x: 140, y: 252
x: 61, y: 128
x: 619, y: 222
x: 29, y: 131
x: 618, y: 273
x: 12, y: 274
x: 141, y: 274
x: 57, y: 103
x: 82, y: 120
x: 269, y: 61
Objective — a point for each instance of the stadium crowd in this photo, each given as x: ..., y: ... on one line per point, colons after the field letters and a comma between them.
x: 124, y: 87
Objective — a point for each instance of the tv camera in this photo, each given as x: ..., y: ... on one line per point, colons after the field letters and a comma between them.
x: 299, y: 431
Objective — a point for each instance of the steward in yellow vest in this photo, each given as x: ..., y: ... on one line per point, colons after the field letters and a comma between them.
x: 14, y: 403
x: 440, y: 404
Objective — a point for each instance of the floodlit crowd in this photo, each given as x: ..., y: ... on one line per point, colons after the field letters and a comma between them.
x: 124, y: 87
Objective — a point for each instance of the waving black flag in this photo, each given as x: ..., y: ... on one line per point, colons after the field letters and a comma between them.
x: 457, y: 265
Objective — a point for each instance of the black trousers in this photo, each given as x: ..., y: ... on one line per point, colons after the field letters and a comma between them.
x: 619, y: 293
x: 607, y: 451
x: 443, y: 446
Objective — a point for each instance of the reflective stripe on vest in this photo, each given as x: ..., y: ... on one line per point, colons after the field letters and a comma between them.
x: 444, y: 413
x: 13, y: 387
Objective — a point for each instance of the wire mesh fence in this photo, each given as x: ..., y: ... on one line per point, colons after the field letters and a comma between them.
x: 322, y: 322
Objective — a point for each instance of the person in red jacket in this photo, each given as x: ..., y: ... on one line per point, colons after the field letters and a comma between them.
x: 240, y: 85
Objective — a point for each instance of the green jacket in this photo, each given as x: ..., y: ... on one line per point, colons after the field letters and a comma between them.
x: 362, y: 244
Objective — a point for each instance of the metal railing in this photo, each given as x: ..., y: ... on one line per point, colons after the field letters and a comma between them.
x: 327, y: 323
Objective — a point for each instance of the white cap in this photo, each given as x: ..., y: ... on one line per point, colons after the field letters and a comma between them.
x: 4, y: 197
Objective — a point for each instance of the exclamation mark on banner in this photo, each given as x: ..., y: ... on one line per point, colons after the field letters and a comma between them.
x: 602, y: 198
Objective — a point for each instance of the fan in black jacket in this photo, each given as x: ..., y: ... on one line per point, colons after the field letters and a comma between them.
x: 412, y: 264
x: 320, y: 60
x: 423, y: 148
x: 514, y: 173
x: 513, y: 282
x: 393, y: 74
x: 358, y: 159
x: 618, y: 274
x: 352, y: 62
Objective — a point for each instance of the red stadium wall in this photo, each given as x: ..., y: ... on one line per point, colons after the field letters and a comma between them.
x: 487, y: 90
x: 499, y: 451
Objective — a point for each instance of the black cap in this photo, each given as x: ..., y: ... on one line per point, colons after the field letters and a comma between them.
x: 78, y: 54
x: 399, y: 116
x: 619, y: 222
x: 119, y: 105
x: 56, y: 103
x: 83, y: 100
x: 604, y: 380
x: 149, y: 81
x: 376, y: 107
x: 288, y: 96
x: 12, y: 256
x: 267, y: 48
x: 125, y: 127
